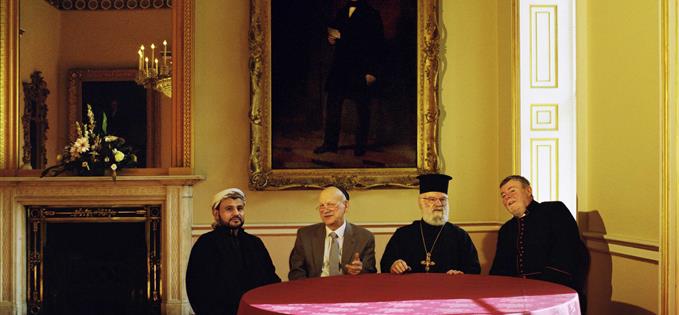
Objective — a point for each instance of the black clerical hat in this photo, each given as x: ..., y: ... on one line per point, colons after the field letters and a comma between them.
x: 434, y: 182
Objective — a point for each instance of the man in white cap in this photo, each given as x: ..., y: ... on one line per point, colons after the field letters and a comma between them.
x: 432, y: 244
x: 334, y: 246
x: 226, y: 262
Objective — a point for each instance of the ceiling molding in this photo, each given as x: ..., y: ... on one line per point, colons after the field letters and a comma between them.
x: 104, y: 5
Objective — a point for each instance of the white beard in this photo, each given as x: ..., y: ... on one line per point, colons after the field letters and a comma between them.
x: 435, y: 219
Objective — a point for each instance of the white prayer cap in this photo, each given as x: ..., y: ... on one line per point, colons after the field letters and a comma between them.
x: 218, y: 197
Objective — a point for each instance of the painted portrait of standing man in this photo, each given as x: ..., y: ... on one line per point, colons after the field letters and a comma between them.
x: 343, y: 91
x: 343, y: 83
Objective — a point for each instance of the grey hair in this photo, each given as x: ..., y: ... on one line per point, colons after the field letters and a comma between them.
x: 524, y: 182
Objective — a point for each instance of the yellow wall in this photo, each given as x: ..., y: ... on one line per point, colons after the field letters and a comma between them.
x: 38, y: 46
x: 624, y: 112
x: 619, y: 145
x: 615, y: 289
x: 505, y: 96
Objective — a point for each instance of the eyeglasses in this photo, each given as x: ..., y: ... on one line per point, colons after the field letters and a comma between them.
x: 329, y: 205
x: 433, y: 200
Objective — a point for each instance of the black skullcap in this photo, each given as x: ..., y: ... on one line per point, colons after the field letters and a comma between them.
x: 434, y: 182
x: 344, y: 192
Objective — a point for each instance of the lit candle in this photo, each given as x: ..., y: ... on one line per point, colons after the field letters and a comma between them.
x: 156, y: 66
x: 146, y: 59
x: 164, y: 54
x: 140, y: 59
x: 153, y: 51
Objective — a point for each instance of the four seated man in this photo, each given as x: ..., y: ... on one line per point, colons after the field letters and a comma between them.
x: 541, y: 241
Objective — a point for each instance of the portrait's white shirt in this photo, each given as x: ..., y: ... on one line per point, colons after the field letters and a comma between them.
x: 328, y: 242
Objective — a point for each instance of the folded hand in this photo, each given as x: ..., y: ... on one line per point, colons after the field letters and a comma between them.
x: 399, y: 267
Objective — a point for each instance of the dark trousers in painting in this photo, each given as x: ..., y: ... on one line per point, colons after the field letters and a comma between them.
x: 333, y: 120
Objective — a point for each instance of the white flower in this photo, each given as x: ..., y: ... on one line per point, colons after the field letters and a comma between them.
x: 110, y: 138
x: 114, y: 167
x: 81, y: 145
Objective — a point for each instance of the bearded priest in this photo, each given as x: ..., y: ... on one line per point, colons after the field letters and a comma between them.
x: 431, y: 244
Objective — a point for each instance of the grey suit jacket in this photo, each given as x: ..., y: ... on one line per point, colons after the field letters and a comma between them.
x: 306, y: 258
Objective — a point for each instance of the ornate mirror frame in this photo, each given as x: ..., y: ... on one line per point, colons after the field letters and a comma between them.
x: 10, y: 106
x: 76, y: 89
x: 264, y: 177
x: 34, y: 122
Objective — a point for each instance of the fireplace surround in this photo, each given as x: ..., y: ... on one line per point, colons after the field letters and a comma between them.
x: 93, y: 260
x: 172, y: 194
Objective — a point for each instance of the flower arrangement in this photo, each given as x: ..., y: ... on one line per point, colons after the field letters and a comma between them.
x: 93, y: 151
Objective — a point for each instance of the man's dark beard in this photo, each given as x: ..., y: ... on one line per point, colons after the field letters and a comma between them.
x: 242, y: 221
x: 228, y: 225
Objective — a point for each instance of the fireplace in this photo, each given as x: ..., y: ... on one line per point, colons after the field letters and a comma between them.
x: 71, y: 207
x: 93, y: 260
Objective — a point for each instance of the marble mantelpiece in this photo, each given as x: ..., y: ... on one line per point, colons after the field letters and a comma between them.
x: 173, y: 193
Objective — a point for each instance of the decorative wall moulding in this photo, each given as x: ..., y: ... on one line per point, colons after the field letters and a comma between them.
x: 92, y: 5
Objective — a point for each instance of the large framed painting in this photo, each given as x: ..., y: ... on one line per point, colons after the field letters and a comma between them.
x: 343, y: 92
x: 113, y: 92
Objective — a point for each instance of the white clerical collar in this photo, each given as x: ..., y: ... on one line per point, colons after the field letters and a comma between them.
x: 339, y: 231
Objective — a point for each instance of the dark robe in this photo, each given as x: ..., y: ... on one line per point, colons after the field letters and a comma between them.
x: 453, y: 250
x: 222, y: 267
x: 544, y: 244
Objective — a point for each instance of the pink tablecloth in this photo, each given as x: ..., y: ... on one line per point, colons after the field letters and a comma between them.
x: 411, y: 294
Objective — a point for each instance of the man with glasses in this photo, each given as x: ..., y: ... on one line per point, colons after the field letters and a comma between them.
x: 334, y: 246
x: 431, y: 244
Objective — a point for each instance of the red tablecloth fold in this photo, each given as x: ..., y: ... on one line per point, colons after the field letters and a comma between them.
x: 411, y: 294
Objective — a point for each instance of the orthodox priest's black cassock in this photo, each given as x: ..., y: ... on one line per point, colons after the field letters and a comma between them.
x: 453, y: 249
x: 544, y: 244
x: 223, y: 266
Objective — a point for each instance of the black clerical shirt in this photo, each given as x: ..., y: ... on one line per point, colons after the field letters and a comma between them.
x: 544, y: 244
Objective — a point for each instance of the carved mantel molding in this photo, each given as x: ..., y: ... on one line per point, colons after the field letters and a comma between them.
x: 173, y: 193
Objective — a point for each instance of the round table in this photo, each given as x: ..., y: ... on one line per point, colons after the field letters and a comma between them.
x: 418, y: 293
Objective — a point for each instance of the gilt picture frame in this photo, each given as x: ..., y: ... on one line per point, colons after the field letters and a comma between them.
x: 288, y: 150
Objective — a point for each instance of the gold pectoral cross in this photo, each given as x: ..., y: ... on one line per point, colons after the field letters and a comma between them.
x: 427, y: 262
